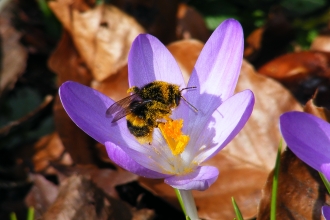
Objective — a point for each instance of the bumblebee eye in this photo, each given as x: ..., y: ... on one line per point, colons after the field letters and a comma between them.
x: 177, y: 100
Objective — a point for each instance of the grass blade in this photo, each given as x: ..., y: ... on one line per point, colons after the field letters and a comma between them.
x: 30, y: 214
x: 237, y: 211
x: 13, y: 216
x: 275, y: 183
x: 325, y: 182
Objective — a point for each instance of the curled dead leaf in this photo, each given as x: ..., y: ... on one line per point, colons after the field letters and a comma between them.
x: 103, y: 35
x: 191, y: 24
x: 321, y: 43
x: 13, y: 55
x: 320, y: 112
x: 47, y: 150
x: 42, y: 194
x: 79, y: 198
x: 295, y: 67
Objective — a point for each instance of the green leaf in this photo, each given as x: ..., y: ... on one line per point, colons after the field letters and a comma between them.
x: 30, y: 214
x: 325, y: 182
x: 237, y: 211
x: 13, y: 216
x: 275, y: 183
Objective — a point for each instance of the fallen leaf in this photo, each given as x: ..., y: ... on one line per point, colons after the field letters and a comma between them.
x: 321, y: 43
x: 298, y: 66
x: 79, y: 198
x: 49, y: 149
x: 186, y: 53
x: 67, y: 63
x: 302, y: 73
x: 191, y: 24
x: 105, y: 179
x: 115, y: 86
x: 103, y: 35
x: 13, y: 55
x: 42, y: 194
x: 320, y: 112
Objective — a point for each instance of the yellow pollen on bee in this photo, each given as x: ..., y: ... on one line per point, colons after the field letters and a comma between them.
x: 171, y: 131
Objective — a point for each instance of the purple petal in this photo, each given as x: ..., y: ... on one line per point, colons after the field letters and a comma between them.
x: 218, y: 66
x: 200, y: 179
x: 326, y: 212
x: 117, y: 155
x: 224, y: 125
x: 150, y: 60
x: 86, y: 107
x: 325, y: 169
x: 307, y: 136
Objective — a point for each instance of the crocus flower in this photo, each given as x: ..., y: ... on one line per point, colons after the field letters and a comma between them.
x: 309, y: 139
x: 198, y: 135
x: 326, y: 212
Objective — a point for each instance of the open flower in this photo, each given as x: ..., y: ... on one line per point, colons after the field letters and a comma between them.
x: 178, y: 147
x: 309, y: 139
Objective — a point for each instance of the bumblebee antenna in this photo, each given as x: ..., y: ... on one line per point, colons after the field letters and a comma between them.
x: 192, y: 87
x: 193, y: 107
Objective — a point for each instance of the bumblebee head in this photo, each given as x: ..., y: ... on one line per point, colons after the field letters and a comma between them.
x: 177, y: 98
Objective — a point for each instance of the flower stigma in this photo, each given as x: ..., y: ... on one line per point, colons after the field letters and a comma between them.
x: 175, y: 139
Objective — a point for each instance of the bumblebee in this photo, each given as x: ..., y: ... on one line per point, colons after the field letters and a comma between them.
x: 146, y: 107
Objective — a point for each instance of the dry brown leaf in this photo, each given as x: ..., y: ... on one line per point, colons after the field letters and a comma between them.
x: 13, y: 55
x: 302, y: 73
x: 320, y: 112
x: 186, y: 53
x: 79, y: 198
x: 321, y: 43
x: 245, y: 163
x: 295, y: 67
x: 42, y: 194
x: 105, y: 179
x: 49, y: 149
x: 103, y: 35
x: 115, y: 86
x: 67, y: 63
x: 191, y: 24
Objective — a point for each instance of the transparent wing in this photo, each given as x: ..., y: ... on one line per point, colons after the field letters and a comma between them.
x: 123, y: 107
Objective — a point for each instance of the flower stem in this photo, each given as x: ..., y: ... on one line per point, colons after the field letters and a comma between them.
x: 189, y: 204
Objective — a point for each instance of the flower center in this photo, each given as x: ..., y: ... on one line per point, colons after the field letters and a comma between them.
x: 171, y: 131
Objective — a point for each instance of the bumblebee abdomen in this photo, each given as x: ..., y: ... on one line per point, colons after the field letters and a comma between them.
x: 139, y: 131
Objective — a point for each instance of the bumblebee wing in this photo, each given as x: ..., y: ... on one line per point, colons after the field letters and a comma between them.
x: 123, y: 107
